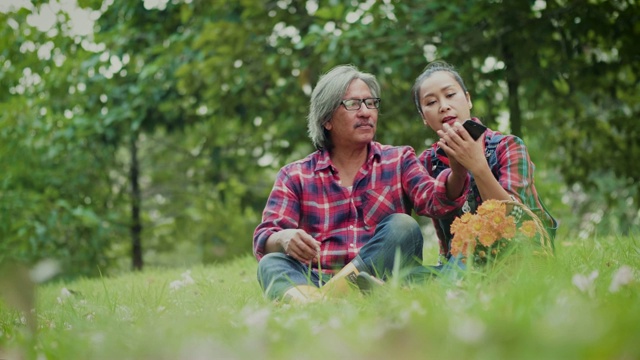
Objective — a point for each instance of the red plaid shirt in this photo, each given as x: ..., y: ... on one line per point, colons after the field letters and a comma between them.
x: 307, y: 195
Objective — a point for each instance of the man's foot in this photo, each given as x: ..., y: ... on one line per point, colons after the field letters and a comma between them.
x: 367, y: 283
x: 303, y: 294
x: 341, y: 283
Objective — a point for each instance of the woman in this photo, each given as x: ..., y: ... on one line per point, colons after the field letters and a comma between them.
x: 499, y: 165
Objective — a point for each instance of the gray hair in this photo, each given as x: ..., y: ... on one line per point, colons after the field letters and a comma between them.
x: 327, y: 96
x: 430, y: 70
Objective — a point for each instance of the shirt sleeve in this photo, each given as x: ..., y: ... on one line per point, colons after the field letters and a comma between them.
x: 429, y: 195
x: 425, y: 160
x: 281, y: 212
x: 451, y: 205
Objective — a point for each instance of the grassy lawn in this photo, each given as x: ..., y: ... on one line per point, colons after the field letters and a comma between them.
x: 582, y: 304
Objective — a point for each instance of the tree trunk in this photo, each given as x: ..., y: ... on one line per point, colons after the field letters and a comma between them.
x: 136, y: 224
x: 513, y: 83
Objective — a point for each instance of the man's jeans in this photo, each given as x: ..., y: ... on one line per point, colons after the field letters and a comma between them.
x: 399, y: 232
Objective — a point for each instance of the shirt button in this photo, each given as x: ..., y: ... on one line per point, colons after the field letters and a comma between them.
x: 351, y: 245
x: 351, y: 227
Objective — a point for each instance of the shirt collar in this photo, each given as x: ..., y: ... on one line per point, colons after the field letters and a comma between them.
x: 324, y: 160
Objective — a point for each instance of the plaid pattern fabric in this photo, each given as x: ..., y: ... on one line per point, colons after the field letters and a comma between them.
x: 307, y: 195
x: 510, y: 164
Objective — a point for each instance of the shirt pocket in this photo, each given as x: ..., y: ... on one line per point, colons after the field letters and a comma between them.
x: 377, y: 204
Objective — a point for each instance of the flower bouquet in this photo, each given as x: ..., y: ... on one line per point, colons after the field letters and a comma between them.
x: 483, y: 236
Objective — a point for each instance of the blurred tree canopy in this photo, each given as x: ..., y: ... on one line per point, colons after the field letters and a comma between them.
x: 152, y: 129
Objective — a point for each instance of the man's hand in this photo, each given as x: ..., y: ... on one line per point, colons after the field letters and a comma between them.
x: 298, y: 244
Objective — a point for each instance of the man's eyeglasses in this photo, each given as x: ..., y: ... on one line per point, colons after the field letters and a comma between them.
x: 356, y: 104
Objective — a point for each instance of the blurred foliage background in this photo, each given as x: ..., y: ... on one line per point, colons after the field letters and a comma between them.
x: 147, y: 133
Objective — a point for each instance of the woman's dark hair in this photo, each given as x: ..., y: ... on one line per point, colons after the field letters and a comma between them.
x: 429, y: 70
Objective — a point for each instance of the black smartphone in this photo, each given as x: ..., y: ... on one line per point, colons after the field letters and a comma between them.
x: 475, y: 129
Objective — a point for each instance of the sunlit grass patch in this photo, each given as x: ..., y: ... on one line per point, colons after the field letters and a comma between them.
x: 582, y: 303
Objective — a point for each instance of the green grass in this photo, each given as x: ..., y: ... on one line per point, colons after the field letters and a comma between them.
x: 525, y: 309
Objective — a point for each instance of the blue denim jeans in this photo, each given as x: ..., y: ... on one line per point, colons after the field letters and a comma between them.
x: 278, y: 272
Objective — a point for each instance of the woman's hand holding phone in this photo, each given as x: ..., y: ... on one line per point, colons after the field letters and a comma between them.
x: 475, y: 129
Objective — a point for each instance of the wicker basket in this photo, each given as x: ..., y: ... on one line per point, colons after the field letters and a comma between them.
x: 545, y: 239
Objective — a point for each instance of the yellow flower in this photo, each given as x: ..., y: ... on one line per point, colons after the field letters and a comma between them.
x: 483, y: 235
x: 497, y: 219
x: 487, y: 237
x: 528, y: 228
x: 477, y: 224
x: 509, y: 231
x: 457, y: 225
x: 466, y: 217
x: 463, y: 245
x: 491, y: 207
x: 469, y: 248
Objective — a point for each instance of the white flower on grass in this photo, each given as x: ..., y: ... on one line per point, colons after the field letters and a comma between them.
x: 454, y: 294
x: 585, y: 283
x: 622, y: 277
x: 97, y: 338
x: 457, y: 299
x: 175, y: 285
x: 186, y: 280
x: 407, y: 314
x: 334, y: 323
x: 204, y: 349
x: 125, y: 313
x: 468, y: 330
x: 256, y: 318
x: 64, y: 294
x: 485, y: 298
